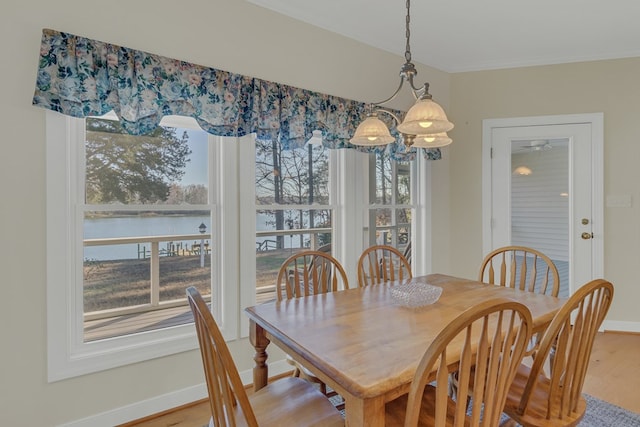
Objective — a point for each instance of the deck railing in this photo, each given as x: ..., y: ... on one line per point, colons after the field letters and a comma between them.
x: 154, y: 266
x: 156, y: 253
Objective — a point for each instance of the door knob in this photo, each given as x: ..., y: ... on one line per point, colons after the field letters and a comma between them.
x: 586, y: 236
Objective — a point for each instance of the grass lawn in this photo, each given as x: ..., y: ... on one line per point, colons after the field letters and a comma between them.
x: 124, y: 283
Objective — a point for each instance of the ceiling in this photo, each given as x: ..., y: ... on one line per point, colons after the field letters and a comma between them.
x: 471, y: 35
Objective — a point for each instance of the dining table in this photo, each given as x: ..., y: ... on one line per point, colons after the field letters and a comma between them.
x: 366, y: 345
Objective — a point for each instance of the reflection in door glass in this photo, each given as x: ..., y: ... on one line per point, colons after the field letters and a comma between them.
x: 540, y: 201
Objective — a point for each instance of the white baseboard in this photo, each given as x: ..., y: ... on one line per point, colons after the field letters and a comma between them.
x: 161, y: 403
x: 619, y: 326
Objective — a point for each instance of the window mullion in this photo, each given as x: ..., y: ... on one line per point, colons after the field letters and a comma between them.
x: 245, y: 182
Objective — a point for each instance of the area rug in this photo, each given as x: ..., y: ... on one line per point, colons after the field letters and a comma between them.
x: 599, y: 414
x: 604, y: 414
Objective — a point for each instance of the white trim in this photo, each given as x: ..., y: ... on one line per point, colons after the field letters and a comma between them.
x: 224, y: 180
x: 246, y: 215
x: 422, y: 241
x: 620, y: 326
x: 350, y: 217
x: 163, y: 402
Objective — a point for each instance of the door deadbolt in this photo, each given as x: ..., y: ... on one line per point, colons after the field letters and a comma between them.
x: 586, y: 236
x: 584, y: 221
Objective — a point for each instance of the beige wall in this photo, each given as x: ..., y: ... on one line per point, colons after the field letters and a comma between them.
x: 610, y: 87
x: 226, y: 34
x: 236, y: 36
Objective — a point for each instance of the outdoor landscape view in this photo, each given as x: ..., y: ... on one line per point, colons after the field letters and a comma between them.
x: 148, y: 213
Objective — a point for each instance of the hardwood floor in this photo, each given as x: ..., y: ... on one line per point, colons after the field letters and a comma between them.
x: 613, y: 376
x: 614, y: 370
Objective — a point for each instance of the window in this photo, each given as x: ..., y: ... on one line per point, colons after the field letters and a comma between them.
x: 256, y: 205
x: 133, y: 222
x: 146, y: 216
x: 293, y: 206
x: 390, y: 201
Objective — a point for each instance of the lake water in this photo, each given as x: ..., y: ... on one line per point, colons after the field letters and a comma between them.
x: 97, y: 228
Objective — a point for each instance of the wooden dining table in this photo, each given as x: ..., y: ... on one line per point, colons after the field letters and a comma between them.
x: 365, y: 345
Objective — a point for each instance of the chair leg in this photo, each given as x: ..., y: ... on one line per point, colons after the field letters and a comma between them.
x: 452, y: 387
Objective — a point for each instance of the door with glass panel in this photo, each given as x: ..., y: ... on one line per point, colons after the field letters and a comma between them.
x: 542, y: 196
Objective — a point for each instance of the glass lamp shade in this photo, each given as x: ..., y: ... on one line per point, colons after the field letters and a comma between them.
x: 432, y: 141
x: 372, y: 131
x: 425, y: 117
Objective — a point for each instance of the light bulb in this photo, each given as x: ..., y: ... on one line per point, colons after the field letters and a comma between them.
x: 425, y: 124
x: 372, y: 138
x: 429, y: 138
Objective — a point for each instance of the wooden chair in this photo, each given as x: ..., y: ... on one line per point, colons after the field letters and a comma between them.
x: 493, y: 337
x: 536, y: 399
x: 309, y: 273
x: 521, y: 268
x: 382, y: 263
x: 288, y: 401
x: 408, y: 253
x: 518, y: 267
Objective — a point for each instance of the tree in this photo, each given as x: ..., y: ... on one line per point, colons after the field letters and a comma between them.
x: 132, y: 169
x: 292, y: 177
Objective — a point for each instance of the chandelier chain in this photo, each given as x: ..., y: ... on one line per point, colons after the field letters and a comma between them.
x: 425, y: 125
x: 407, y: 52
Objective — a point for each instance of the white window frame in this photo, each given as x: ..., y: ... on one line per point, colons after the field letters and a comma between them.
x: 248, y: 210
x: 233, y: 281
x: 421, y: 206
x: 393, y: 205
x: 68, y: 354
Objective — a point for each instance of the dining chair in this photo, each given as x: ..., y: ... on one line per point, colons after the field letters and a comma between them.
x: 309, y: 273
x: 489, y: 339
x: 520, y: 267
x: 408, y: 252
x: 287, y: 401
x: 538, y: 399
x: 382, y: 263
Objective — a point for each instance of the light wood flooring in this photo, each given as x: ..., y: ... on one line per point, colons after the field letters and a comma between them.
x: 613, y: 376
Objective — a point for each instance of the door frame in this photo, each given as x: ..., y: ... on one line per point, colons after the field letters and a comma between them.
x: 596, y: 120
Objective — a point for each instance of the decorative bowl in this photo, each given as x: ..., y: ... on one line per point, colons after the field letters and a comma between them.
x: 415, y: 294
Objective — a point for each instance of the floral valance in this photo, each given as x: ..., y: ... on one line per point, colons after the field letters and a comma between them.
x: 81, y: 77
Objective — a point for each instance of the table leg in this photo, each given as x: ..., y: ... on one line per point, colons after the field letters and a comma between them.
x: 259, y: 341
x: 368, y: 412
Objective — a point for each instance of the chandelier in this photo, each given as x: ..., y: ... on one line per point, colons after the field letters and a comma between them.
x: 425, y: 125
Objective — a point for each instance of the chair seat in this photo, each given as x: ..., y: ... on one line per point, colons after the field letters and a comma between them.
x: 292, y: 401
x: 396, y: 409
x: 536, y: 414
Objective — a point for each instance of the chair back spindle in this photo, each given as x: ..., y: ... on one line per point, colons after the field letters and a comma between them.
x: 309, y: 273
x: 489, y: 341
x: 382, y: 263
x: 520, y: 267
